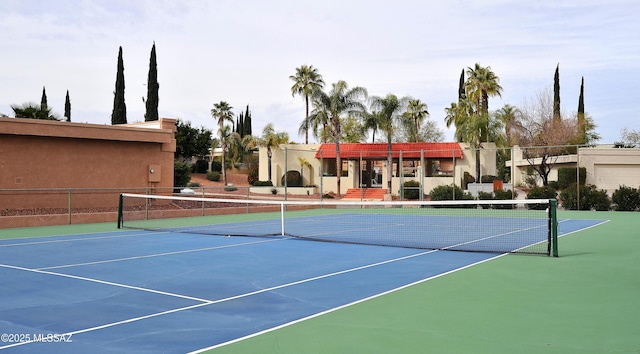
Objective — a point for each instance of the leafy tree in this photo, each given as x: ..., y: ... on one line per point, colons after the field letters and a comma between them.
x: 152, y: 88
x: 222, y: 112
x: 630, y: 138
x: 556, y: 94
x: 391, y: 110
x: 119, y: 114
x: 307, y: 80
x: 67, y: 107
x: 339, y: 102
x: 543, y: 136
x: 192, y: 141
x: 352, y: 130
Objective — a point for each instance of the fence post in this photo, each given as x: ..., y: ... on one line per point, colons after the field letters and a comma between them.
x: 69, y: 206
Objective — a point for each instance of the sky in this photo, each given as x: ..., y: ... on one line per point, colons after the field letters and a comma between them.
x: 243, y: 52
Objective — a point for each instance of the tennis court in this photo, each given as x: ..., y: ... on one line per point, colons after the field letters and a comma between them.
x: 108, y: 290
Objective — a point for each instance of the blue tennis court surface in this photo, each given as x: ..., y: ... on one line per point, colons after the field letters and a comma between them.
x: 148, y: 292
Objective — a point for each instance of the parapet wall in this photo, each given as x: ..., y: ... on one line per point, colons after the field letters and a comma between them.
x: 50, y: 155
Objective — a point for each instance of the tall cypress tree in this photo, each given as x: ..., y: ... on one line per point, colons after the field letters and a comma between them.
x: 461, y: 93
x: 43, y: 100
x: 581, y: 122
x: 67, y: 107
x: 246, y: 124
x: 119, y: 114
x: 152, y: 88
x: 556, y: 94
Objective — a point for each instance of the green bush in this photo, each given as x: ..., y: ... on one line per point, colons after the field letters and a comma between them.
x: 262, y: 184
x: 411, y: 190
x: 252, y: 177
x: 488, y: 178
x: 626, y: 199
x: 590, y: 198
x: 598, y: 199
x: 216, y: 166
x: 468, y: 178
x: 485, y: 195
x: 230, y: 188
x: 546, y: 192
x: 293, y: 179
x: 501, y: 194
x: 201, y: 166
x: 181, y: 174
x: 449, y: 192
x: 567, y: 176
x: 213, y: 176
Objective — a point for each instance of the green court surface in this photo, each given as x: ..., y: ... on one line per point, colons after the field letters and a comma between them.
x: 585, y: 301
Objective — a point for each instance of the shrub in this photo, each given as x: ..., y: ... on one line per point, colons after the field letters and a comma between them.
x: 216, y: 166
x: 545, y: 192
x: 599, y: 200
x: 468, y: 178
x: 252, y: 177
x: 567, y: 176
x: 411, y: 190
x: 181, y: 174
x: 230, y: 188
x: 488, y: 178
x: 626, y: 199
x: 201, y: 166
x: 293, y: 179
x: 504, y: 195
x: 590, y: 198
x: 485, y: 195
x: 262, y: 184
x: 449, y: 192
x: 213, y: 176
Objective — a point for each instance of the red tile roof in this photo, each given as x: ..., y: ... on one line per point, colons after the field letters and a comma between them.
x: 378, y: 151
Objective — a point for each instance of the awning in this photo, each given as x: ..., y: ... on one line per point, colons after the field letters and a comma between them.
x: 378, y: 151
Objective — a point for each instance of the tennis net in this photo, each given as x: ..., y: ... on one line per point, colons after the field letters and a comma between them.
x: 513, y: 226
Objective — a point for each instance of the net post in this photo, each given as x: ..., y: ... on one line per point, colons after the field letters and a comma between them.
x: 553, y: 204
x: 120, y: 203
x: 282, y: 219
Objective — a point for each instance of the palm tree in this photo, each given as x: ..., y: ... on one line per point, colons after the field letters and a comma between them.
x: 307, y: 80
x: 269, y: 139
x: 222, y: 112
x: 471, y: 114
x: 34, y: 111
x: 391, y: 109
x: 339, y: 102
x: 508, y: 116
x: 319, y: 118
x: 303, y: 163
x: 372, y: 122
x: 415, y: 114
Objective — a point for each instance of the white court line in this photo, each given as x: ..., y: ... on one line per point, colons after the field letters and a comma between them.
x: 203, y: 302
x: 137, y: 234
x: 346, y: 305
x: 158, y: 254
